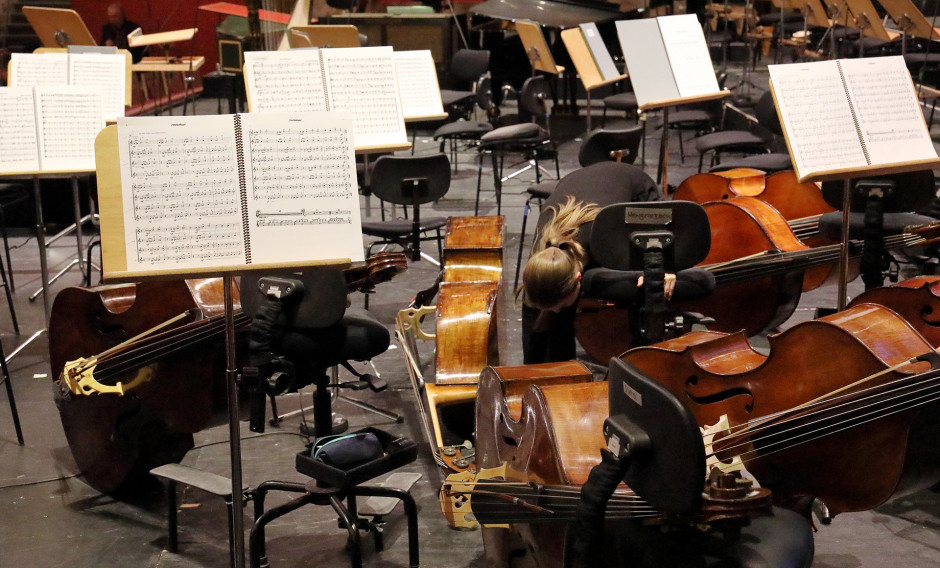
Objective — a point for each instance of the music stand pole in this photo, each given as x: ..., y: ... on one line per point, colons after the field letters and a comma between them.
x: 844, y: 248
x: 237, y: 553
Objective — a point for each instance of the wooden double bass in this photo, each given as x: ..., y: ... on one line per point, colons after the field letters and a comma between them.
x: 916, y: 299
x: 139, y: 368
x: 844, y: 408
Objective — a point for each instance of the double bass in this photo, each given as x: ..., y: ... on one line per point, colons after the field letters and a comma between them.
x: 139, y: 368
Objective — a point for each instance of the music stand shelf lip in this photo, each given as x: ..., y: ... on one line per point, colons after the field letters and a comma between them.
x: 47, y: 174
x: 876, y: 169
x: 685, y: 100
x: 419, y: 118
x: 162, y: 37
x: 214, y: 271
x: 606, y: 82
x: 396, y: 147
x: 163, y: 64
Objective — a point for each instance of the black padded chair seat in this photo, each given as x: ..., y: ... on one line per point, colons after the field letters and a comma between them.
x: 773, y: 162
x: 524, y: 132
x: 621, y: 101
x: 911, y: 59
x: 727, y: 140
x: 399, y: 227
x: 773, y: 18
x: 357, y: 337
x: 465, y: 128
x: 542, y: 190
x: 830, y: 224
x: 449, y: 97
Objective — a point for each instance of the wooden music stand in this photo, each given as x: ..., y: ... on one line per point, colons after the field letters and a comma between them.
x: 135, y: 39
x: 114, y: 265
x: 540, y: 56
x: 869, y: 22
x: 58, y: 27
x: 324, y: 36
x: 910, y: 20
x: 585, y: 65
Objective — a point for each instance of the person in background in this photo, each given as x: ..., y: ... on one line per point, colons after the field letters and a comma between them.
x: 115, y: 32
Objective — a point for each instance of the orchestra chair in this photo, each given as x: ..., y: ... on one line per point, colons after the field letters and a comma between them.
x: 650, y: 239
x: 736, y: 141
x: 5, y: 378
x: 700, y: 118
x: 621, y: 102
x: 528, y: 137
x: 331, y: 483
x: 598, y: 146
x: 467, y: 129
x: 770, y: 162
x: 409, y: 181
x: 881, y: 207
x: 655, y: 446
x: 467, y: 68
x: 301, y: 328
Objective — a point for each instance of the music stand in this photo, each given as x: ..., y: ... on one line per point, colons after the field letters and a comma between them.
x: 910, y: 21
x: 324, y: 36
x: 57, y: 27
x: 536, y: 48
x: 869, y: 22
x: 586, y: 65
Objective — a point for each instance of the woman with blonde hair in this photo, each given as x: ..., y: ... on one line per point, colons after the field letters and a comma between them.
x: 554, y: 276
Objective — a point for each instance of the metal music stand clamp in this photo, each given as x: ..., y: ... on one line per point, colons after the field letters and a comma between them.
x: 653, y: 238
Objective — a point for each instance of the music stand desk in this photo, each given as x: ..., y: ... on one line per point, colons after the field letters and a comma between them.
x: 49, y: 22
x: 164, y: 65
x: 326, y: 35
x: 585, y: 65
x: 162, y: 38
x: 910, y: 19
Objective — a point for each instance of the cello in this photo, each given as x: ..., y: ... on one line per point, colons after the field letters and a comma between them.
x: 136, y: 404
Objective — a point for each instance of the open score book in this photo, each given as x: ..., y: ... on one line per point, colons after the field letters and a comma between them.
x: 851, y: 115
x: 201, y: 193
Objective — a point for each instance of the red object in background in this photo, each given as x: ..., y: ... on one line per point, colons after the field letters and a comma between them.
x: 230, y: 9
x: 156, y: 17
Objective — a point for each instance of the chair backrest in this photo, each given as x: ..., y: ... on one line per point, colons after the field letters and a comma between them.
x: 613, y: 247
x: 534, y: 97
x: 599, y: 144
x: 766, y: 113
x: 320, y: 304
x: 469, y: 65
x: 426, y: 178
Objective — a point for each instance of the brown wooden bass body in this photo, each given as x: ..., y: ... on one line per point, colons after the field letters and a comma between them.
x: 916, y: 299
x: 855, y: 466
x: 111, y: 436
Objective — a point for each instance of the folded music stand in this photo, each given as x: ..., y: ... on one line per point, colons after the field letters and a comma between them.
x: 58, y: 27
x: 324, y: 36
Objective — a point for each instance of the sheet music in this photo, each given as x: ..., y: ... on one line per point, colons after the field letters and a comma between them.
x: 179, y: 184
x: 417, y: 83
x: 285, y: 81
x: 362, y: 82
x: 889, y: 116
x: 605, y: 63
x: 303, y: 199
x: 814, y: 109
x: 31, y: 69
x: 647, y: 63
x: 688, y: 54
x: 107, y: 73
x: 68, y: 119
x: 19, y: 146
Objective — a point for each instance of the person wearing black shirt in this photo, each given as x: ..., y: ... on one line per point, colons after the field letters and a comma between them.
x: 115, y: 32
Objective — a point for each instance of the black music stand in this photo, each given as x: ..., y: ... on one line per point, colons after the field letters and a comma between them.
x: 6, y: 380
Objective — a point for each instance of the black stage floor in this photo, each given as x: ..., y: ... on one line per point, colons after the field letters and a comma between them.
x: 51, y: 517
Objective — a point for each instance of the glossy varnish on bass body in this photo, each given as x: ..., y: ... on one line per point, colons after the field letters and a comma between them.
x: 113, y: 436
x: 835, y: 411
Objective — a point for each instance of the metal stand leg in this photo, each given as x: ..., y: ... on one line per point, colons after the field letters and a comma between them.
x: 9, y: 387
